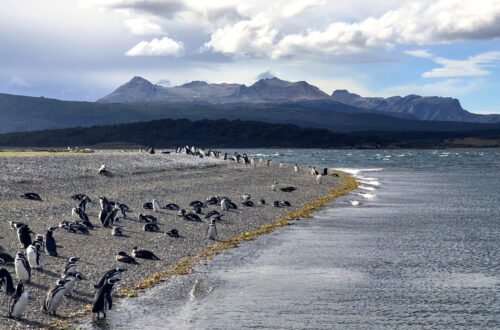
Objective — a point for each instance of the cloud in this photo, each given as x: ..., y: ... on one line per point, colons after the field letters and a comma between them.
x: 159, y: 8
x: 164, y: 82
x: 298, y: 7
x: 419, y: 53
x: 266, y: 75
x: 443, y: 88
x: 18, y: 82
x: 142, y: 26
x: 254, y: 37
x: 474, y: 66
x: 157, y: 47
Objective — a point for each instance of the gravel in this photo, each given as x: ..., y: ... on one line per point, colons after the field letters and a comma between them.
x: 135, y: 178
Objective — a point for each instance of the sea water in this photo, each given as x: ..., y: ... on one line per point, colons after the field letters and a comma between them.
x: 415, y: 246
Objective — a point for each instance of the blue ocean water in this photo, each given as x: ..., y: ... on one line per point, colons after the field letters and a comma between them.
x: 416, y: 246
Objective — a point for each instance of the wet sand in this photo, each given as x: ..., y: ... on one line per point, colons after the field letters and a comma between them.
x: 136, y: 178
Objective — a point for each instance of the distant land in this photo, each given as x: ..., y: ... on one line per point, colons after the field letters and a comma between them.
x: 23, y: 113
x: 275, y: 91
x: 231, y: 134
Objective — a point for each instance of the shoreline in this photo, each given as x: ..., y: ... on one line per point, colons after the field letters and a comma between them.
x: 242, y: 226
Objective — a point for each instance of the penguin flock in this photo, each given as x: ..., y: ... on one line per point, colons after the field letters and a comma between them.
x: 111, y: 214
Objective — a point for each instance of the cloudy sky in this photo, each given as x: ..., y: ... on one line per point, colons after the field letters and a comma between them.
x: 84, y: 49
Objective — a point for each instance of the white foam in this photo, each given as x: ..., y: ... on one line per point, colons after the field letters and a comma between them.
x: 355, y: 203
x: 357, y: 171
x: 367, y: 195
x: 367, y: 188
x: 371, y: 183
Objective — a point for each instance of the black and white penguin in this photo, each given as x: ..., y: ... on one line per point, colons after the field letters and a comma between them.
x: 16, y: 225
x: 268, y: 162
x: 190, y: 216
x: 33, y: 252
x: 6, y: 283
x: 72, y: 277
x: 31, y: 196
x: 262, y: 202
x: 171, y: 206
x: 274, y: 185
x: 102, y: 300
x: 147, y: 218
x: 245, y: 198
x: 173, y: 233
x: 211, y: 214
x: 125, y: 258
x: 124, y: 209
x: 147, y: 206
x: 54, y: 297
x: 71, y: 266
x: 18, y: 302
x: 77, y: 212
x: 212, y: 201
x: 22, y: 267
x: 197, y: 204
x: 144, y: 254
x: 248, y: 204
x: 156, y: 205
x: 5, y: 258
x: 50, y: 242
x: 105, y: 204
x: 212, y: 230
x: 296, y: 168
x: 319, y: 179
x: 110, y: 274
x: 24, y: 236
x: 325, y: 171
x: 110, y: 218
x: 151, y: 227
x: 117, y: 231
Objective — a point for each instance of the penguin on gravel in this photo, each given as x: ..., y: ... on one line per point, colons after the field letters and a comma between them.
x: 50, y: 242
x: 54, y: 297
x: 22, y: 267
x: 212, y: 230
x: 6, y: 283
x: 18, y: 302
x: 102, y: 299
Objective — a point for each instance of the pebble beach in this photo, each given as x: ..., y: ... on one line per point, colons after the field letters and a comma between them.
x: 134, y: 178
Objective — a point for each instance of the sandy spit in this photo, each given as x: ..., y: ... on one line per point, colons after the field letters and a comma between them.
x: 136, y: 178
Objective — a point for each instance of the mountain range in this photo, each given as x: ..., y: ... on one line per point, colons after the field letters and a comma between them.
x: 277, y: 91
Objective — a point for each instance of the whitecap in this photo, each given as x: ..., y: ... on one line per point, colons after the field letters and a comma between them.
x: 367, y: 188
x: 355, y: 203
x: 367, y: 195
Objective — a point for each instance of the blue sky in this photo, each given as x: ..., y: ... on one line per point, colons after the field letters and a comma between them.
x: 84, y: 49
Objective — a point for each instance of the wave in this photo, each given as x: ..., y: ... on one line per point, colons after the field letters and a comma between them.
x: 370, y: 182
x: 357, y: 171
x: 367, y: 188
x: 367, y: 195
x: 355, y: 203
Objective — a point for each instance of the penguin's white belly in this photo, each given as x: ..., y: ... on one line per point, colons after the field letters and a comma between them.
x: 20, y: 306
x: 21, y: 272
x: 212, y: 232
x: 56, y: 300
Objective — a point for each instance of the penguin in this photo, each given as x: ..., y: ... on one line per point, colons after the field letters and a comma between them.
x: 282, y: 165
x: 151, y: 227
x: 125, y: 258
x: 211, y: 214
x: 248, y: 204
x: 212, y: 230
x: 102, y: 300
x: 72, y: 277
x: 6, y: 283
x: 77, y: 212
x: 124, y: 209
x: 147, y: 218
x: 197, y: 204
x: 147, y: 206
x: 171, y: 206
x: 102, y: 169
x: 173, y: 233
x: 212, y: 201
x: 274, y: 186
x: 16, y: 225
x: 314, y: 171
x: 70, y: 266
x: 54, y: 297
x: 117, y: 231
x: 50, y: 242
x: 24, y: 236
x: 34, y: 256
x: 144, y: 254
x: 22, y: 267
x: 245, y: 198
x: 156, y: 206
x: 5, y: 258
x: 268, y: 163
x: 110, y: 218
x: 319, y: 179
x: 285, y: 203
x: 83, y: 204
x: 190, y: 216
x: 223, y: 204
x: 325, y: 171
x: 102, y: 216
x: 197, y: 209
x: 296, y: 168
x: 277, y: 204
x: 31, y: 196
x: 262, y: 202
x: 18, y: 302
x: 113, y: 273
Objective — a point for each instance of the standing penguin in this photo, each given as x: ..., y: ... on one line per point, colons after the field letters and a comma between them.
x: 274, y: 186
x: 50, y: 242
x: 24, y: 235
x: 34, y: 255
x: 102, y: 299
x: 296, y: 168
x: 54, y: 297
x: 156, y: 206
x: 319, y: 178
x: 23, y: 269
x: 18, y: 302
x: 224, y: 204
x: 70, y: 266
x: 212, y: 230
x: 6, y: 284
x: 72, y: 278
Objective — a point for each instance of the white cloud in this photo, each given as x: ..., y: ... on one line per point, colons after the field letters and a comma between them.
x: 474, y: 66
x: 424, y: 53
x: 253, y: 37
x: 300, y: 6
x: 266, y: 75
x: 157, y: 47
x: 143, y: 26
x: 445, y: 88
x: 18, y: 81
